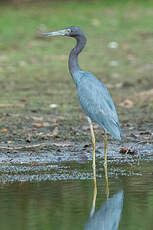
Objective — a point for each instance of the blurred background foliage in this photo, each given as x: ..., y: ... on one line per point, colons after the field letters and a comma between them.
x: 35, y: 71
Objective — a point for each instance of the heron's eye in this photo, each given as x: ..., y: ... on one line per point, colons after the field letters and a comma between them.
x: 69, y: 31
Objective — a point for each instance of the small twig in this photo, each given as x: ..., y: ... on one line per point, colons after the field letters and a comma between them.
x: 23, y: 147
x: 34, y: 146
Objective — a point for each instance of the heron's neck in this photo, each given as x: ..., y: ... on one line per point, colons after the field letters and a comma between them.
x: 73, y: 57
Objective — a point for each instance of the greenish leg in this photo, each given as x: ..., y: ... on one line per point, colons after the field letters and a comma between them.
x: 105, y: 142
x: 94, y: 154
x: 105, y: 165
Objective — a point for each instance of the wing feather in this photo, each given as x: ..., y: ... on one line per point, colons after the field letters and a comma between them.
x: 97, y: 103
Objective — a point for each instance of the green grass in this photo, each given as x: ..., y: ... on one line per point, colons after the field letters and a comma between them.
x: 36, y: 69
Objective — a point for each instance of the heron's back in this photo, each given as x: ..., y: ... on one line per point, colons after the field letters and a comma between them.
x: 97, y: 103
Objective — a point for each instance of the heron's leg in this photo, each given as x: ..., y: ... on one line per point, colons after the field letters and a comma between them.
x: 105, y: 143
x: 105, y: 165
x: 93, y: 143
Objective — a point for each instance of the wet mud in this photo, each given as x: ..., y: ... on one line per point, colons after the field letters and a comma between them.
x: 58, y: 150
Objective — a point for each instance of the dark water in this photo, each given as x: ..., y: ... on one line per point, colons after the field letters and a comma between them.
x: 65, y: 203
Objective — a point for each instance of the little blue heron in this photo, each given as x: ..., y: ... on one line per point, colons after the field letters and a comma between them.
x: 93, y: 96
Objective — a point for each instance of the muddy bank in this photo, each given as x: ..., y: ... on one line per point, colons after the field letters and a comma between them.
x: 47, y: 150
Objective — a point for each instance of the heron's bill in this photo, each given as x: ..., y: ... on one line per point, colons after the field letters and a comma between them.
x: 57, y: 33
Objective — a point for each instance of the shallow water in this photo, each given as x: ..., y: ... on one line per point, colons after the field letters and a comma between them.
x: 63, y: 200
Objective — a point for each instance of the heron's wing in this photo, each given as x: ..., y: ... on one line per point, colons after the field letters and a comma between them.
x: 97, y: 103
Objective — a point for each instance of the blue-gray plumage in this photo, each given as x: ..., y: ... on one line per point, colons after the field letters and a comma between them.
x: 93, y: 96
x: 97, y: 104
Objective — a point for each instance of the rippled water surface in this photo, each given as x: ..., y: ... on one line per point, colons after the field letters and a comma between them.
x: 66, y: 202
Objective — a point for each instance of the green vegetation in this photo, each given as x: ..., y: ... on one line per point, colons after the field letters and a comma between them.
x: 33, y: 71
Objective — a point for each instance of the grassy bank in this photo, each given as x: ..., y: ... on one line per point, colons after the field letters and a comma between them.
x: 34, y: 72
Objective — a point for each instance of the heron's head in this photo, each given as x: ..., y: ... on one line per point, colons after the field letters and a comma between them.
x: 75, y: 31
x: 72, y: 31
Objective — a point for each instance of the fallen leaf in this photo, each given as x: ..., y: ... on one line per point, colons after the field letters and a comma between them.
x: 40, y: 125
x: 4, y: 130
x: 61, y: 144
x: 123, y: 150
x: 126, y: 104
x: 128, y: 151
x: 37, y: 118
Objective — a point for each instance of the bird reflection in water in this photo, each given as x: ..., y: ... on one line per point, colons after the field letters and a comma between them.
x: 108, y: 216
x: 95, y: 188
